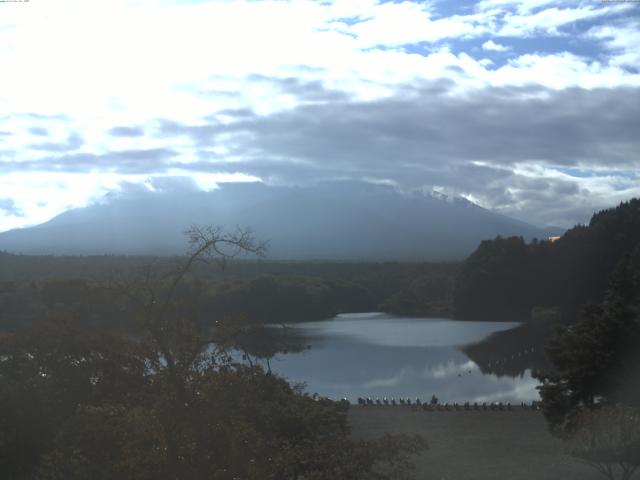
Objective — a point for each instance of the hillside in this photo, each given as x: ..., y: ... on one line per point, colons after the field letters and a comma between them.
x: 505, y: 278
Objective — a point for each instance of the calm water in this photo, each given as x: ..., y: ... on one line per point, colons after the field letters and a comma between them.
x: 378, y: 355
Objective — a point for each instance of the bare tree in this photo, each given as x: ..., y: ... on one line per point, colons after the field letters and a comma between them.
x: 178, y: 346
x: 177, y: 338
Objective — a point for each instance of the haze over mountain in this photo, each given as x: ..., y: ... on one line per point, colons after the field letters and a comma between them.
x: 329, y: 221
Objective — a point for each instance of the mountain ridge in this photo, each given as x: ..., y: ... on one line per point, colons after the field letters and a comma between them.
x: 337, y: 221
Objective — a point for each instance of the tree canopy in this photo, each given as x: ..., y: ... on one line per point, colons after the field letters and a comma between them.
x: 171, y: 401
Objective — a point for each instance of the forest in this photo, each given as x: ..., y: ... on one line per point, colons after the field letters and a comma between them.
x: 117, y: 367
x: 506, y: 278
x: 267, y: 292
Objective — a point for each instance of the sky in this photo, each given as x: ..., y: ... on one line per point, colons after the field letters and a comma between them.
x: 530, y: 108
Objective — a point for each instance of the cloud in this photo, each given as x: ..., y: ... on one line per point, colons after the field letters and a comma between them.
x: 123, y: 131
x: 503, y: 126
x: 497, y: 146
x: 9, y: 206
x: 522, y: 6
x: 475, y: 146
x: 73, y: 142
x: 622, y: 39
x: 495, y: 47
x: 548, y: 21
x: 500, y: 147
x: 39, y: 131
x: 124, y: 162
x: 382, y: 28
x: 296, y: 92
x: 304, y: 91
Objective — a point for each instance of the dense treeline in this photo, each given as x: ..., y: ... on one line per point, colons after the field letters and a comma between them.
x: 262, y: 291
x: 506, y: 278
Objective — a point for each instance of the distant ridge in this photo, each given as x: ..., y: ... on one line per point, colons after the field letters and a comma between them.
x: 334, y: 221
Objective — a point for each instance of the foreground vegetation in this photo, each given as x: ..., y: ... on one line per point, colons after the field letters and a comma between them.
x: 169, y: 402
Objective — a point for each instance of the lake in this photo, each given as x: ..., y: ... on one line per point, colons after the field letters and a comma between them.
x: 379, y: 355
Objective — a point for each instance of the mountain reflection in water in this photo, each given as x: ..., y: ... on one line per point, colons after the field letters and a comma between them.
x: 379, y: 355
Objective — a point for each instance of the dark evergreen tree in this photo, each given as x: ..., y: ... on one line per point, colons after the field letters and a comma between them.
x: 597, y: 360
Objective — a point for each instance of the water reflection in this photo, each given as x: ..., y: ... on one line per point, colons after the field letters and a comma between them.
x: 377, y: 355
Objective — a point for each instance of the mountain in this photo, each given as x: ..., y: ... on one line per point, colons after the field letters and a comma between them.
x: 333, y: 221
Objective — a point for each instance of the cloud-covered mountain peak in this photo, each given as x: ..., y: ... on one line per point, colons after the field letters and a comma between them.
x: 328, y: 221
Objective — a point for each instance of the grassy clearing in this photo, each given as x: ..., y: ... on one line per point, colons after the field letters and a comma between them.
x: 476, y: 445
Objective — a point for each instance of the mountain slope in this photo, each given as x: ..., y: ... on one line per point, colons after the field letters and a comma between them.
x: 338, y: 221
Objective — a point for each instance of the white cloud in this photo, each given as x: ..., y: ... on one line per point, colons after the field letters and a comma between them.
x: 395, y: 24
x: 622, y: 40
x: 42, y: 195
x: 547, y: 21
x: 522, y: 6
x: 496, y: 47
x: 560, y: 71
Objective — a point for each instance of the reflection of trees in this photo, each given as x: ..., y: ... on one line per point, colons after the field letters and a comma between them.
x: 512, y: 352
x: 261, y: 343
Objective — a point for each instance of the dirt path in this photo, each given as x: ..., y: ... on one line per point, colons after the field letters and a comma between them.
x: 491, y: 445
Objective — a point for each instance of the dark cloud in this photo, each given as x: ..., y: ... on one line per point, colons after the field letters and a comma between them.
x: 235, y: 113
x: 309, y: 91
x: 426, y: 132
x: 470, y: 144
x: 125, y: 161
x: 124, y: 131
x: 9, y: 206
x: 73, y: 142
x: 212, y: 92
x: 500, y: 126
x: 202, y: 135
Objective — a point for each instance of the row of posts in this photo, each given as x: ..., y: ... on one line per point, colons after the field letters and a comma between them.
x: 436, y: 406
